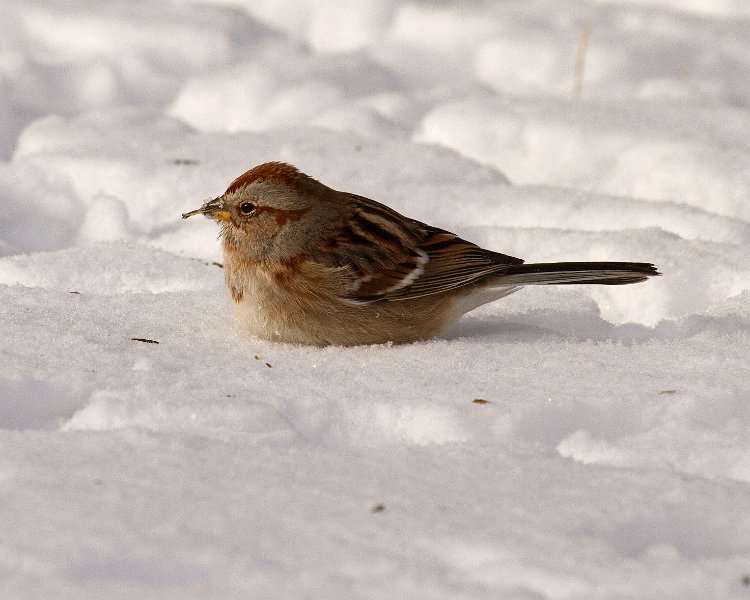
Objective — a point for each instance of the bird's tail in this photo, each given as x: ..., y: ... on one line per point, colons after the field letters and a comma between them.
x: 565, y: 273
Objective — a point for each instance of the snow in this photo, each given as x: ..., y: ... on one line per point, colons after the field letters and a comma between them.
x: 149, y: 449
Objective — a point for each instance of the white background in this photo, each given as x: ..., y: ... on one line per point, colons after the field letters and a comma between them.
x: 613, y: 457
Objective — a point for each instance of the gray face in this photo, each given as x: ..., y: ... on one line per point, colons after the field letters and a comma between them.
x: 273, y: 222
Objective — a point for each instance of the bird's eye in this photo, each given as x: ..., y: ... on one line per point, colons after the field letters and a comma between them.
x: 246, y: 208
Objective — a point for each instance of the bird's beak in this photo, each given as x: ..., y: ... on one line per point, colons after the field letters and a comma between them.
x: 213, y: 209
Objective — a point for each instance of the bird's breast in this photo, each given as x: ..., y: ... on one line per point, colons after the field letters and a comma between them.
x: 281, y: 300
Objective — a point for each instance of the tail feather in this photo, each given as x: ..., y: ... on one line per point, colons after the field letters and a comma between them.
x: 567, y: 273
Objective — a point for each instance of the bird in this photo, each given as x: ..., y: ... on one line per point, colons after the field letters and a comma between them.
x: 307, y: 264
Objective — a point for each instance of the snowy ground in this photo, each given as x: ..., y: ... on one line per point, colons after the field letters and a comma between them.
x: 612, y: 457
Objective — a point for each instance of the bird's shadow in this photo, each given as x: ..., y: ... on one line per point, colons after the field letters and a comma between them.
x: 547, y: 325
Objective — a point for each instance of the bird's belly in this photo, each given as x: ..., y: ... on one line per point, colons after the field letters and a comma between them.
x: 269, y: 314
x: 281, y: 309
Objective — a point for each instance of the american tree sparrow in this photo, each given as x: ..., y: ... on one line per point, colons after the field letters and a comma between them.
x: 307, y: 264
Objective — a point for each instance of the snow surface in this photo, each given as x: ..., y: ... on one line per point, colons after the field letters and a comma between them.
x: 611, y: 458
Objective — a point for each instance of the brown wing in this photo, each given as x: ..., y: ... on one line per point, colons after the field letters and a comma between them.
x: 452, y: 263
x: 393, y: 257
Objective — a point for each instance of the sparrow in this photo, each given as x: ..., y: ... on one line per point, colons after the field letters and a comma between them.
x: 307, y: 264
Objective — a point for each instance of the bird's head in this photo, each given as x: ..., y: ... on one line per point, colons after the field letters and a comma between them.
x: 272, y: 212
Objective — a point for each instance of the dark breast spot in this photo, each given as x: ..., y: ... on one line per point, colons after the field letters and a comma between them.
x: 235, y: 293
